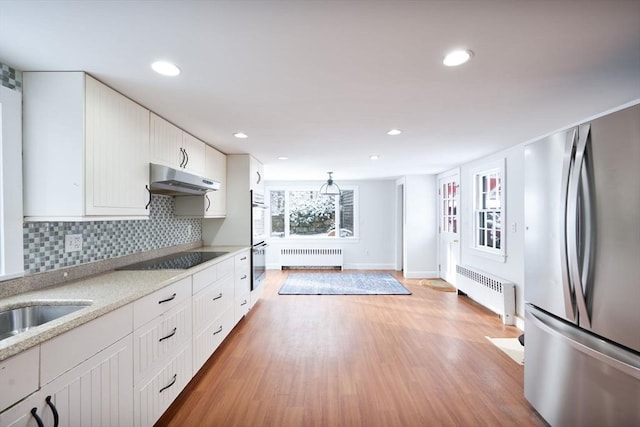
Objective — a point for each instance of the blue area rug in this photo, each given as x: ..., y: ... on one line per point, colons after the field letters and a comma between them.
x: 342, y: 284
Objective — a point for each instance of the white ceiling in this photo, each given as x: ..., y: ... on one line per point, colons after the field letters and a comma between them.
x: 322, y: 81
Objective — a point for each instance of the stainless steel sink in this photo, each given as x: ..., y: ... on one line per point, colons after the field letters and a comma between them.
x: 18, y: 320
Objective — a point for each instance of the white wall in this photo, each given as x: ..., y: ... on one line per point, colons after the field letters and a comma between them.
x: 374, y: 249
x: 420, y: 258
x: 512, y: 269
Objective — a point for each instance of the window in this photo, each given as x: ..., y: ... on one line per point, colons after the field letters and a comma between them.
x: 449, y: 208
x: 304, y: 213
x: 489, y: 210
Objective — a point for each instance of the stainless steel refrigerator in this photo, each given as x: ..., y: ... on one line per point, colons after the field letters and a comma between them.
x: 582, y: 273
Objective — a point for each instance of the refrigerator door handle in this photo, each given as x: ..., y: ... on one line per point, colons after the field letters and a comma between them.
x: 567, y: 168
x: 579, y: 223
x: 584, y: 343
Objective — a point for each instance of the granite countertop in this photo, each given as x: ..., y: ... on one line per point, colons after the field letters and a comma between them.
x: 106, y: 292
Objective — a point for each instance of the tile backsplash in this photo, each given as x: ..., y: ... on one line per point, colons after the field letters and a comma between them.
x: 10, y: 77
x: 44, y: 241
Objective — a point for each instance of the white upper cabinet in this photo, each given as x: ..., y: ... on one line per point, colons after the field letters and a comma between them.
x: 256, y: 176
x: 216, y: 166
x: 85, y: 149
x: 214, y: 203
x: 171, y: 146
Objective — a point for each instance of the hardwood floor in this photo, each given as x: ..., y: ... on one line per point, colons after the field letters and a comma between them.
x: 330, y: 360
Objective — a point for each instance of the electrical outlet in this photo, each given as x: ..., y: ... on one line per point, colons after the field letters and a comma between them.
x: 73, y: 242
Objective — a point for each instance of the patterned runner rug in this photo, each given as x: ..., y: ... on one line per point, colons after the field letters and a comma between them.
x: 342, y: 284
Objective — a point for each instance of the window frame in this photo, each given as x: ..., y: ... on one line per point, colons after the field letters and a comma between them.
x: 288, y: 236
x: 489, y: 169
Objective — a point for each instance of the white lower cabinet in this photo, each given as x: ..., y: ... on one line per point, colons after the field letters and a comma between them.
x: 154, y: 395
x: 212, y: 315
x: 162, y: 362
x: 98, y: 392
x: 125, y: 368
x: 159, y: 339
x: 242, y: 285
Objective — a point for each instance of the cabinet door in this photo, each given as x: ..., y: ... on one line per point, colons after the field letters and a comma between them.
x: 256, y: 176
x: 154, y: 396
x: 195, y: 154
x: 206, y: 342
x: 98, y: 392
x: 160, y: 338
x: 117, y: 153
x: 165, y: 142
x: 216, y: 169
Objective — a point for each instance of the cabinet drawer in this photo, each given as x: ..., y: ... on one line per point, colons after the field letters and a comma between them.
x: 204, y: 278
x: 225, y: 268
x: 243, y: 302
x: 157, y: 340
x: 147, y: 308
x: 63, y: 352
x: 19, y: 376
x: 208, y: 340
x: 242, y: 263
x: 211, y: 302
x: 153, y: 397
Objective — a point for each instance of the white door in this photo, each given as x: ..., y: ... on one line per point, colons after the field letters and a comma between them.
x: 449, y: 225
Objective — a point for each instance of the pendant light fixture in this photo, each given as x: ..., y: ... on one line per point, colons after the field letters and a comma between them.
x: 329, y: 188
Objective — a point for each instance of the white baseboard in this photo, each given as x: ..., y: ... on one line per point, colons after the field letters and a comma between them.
x: 421, y: 274
x: 363, y: 266
x: 519, y: 323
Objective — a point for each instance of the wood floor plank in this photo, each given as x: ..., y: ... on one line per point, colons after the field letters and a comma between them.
x: 359, y: 360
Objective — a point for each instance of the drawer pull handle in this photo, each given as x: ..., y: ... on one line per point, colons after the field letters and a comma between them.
x: 243, y: 303
x: 173, y: 381
x: 243, y: 258
x: 168, y: 299
x: 168, y: 336
x: 218, y: 297
x: 38, y: 419
x: 54, y: 410
x: 218, y: 331
x: 243, y: 277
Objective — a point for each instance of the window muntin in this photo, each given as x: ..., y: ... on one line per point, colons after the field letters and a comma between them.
x: 449, y: 218
x: 304, y: 213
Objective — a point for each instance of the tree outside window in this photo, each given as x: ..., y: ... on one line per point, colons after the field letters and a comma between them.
x: 306, y: 213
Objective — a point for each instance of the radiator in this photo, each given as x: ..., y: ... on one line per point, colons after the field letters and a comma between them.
x: 311, y: 257
x: 498, y: 295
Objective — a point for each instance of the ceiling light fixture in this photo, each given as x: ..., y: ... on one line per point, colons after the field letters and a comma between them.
x: 241, y: 135
x: 165, y: 68
x: 329, y: 188
x: 457, y: 57
x: 374, y: 157
x: 394, y: 132
x: 283, y: 158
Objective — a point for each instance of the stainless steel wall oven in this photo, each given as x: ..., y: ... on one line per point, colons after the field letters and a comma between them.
x: 258, y: 239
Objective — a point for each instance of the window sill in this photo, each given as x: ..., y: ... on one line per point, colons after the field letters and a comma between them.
x: 497, y: 257
x: 316, y: 240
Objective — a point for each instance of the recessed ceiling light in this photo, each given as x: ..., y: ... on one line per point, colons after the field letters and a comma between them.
x: 165, y: 68
x: 241, y: 135
x: 283, y: 158
x: 374, y: 157
x: 457, y: 57
x: 394, y: 132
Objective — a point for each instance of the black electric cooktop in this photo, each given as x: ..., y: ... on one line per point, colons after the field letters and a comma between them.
x: 178, y: 261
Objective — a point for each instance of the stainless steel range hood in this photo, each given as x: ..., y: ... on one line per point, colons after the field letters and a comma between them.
x: 176, y: 182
